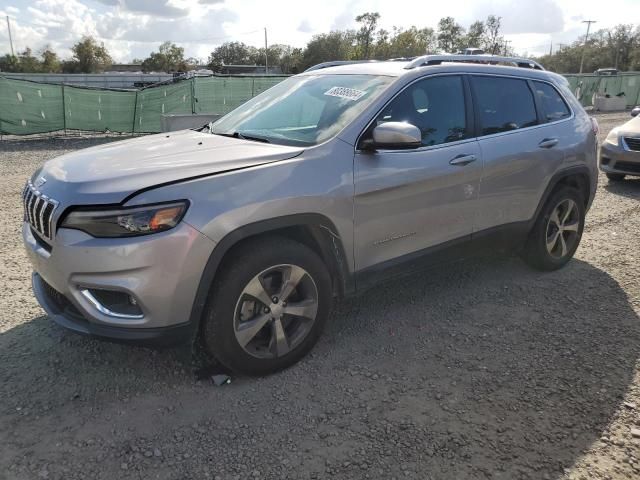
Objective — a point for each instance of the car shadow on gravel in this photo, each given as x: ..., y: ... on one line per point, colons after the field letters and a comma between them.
x: 629, y: 187
x: 482, y: 369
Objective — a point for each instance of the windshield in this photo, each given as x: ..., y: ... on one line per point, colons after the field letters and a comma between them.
x: 304, y: 110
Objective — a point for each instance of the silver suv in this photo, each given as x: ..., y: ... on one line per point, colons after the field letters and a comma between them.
x: 243, y: 233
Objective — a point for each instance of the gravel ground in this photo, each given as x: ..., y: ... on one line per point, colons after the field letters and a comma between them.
x: 483, y: 369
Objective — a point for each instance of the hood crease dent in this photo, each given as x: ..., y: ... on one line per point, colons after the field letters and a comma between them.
x: 115, y: 172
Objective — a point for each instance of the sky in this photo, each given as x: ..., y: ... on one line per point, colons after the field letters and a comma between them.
x: 133, y: 28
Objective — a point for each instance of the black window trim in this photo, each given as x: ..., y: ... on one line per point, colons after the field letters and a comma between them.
x: 511, y: 132
x: 470, y: 130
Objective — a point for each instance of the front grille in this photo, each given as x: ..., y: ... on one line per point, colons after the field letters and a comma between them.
x: 38, y: 211
x: 61, y: 302
x: 633, y: 143
x: 628, y: 166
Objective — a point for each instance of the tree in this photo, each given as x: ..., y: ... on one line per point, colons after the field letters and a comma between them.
x: 475, y: 35
x: 88, y: 57
x: 450, y: 35
x: 168, y: 58
x: 412, y: 42
x: 232, y: 53
x: 364, y: 37
x: 619, y: 46
x: 50, y: 62
x: 9, y: 63
x: 335, y: 45
x: 286, y: 57
x: 492, y: 34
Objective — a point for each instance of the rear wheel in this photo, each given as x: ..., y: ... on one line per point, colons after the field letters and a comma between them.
x: 268, y: 306
x: 557, y: 232
x: 615, y: 177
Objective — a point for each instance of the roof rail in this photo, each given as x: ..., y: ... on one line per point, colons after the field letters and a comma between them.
x: 335, y: 63
x: 492, y: 59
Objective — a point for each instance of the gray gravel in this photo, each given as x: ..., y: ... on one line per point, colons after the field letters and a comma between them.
x: 482, y: 369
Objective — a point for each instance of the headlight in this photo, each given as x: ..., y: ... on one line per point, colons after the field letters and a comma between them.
x: 127, y: 222
x: 612, y: 138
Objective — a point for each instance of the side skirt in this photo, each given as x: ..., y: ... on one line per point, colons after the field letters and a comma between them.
x: 504, y: 238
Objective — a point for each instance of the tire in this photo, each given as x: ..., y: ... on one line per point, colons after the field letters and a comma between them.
x: 546, y: 231
x: 615, y: 177
x: 255, y: 275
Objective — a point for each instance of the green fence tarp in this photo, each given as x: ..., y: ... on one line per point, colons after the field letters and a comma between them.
x: 98, y: 110
x: 152, y: 103
x: 27, y: 107
x: 222, y: 94
x: 584, y: 87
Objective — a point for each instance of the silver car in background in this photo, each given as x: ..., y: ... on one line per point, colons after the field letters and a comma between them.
x: 242, y: 234
x: 620, y: 152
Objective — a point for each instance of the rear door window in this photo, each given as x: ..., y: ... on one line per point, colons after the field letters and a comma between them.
x: 503, y: 104
x: 553, y: 106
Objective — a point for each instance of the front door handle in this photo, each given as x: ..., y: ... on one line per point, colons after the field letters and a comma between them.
x: 463, y: 159
x: 548, y: 143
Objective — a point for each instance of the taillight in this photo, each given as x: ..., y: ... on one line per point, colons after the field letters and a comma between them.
x: 595, y: 128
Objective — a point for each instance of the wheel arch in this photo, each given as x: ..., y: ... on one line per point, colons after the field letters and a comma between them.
x: 311, y: 229
x: 576, y: 177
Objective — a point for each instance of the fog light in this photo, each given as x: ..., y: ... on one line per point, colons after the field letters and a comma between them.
x: 113, y: 303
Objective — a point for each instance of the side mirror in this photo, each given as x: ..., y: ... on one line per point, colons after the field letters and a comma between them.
x: 635, y: 112
x: 396, y: 135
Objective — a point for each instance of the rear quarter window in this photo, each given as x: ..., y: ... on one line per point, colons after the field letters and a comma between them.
x: 553, y: 105
x: 503, y: 104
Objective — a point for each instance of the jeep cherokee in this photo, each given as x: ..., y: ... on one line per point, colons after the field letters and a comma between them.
x: 242, y: 233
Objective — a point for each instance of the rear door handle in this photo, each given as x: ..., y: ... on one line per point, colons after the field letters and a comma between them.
x: 548, y: 143
x: 463, y: 159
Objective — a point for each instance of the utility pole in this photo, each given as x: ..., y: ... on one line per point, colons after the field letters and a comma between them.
x: 506, y: 47
x: 10, y: 39
x: 266, y: 57
x: 551, y: 48
x: 586, y: 39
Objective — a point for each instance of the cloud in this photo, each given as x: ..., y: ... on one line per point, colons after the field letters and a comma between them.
x: 162, y: 8
x: 155, y: 7
x: 210, y: 2
x: 524, y: 16
x: 204, y: 29
x: 305, y: 26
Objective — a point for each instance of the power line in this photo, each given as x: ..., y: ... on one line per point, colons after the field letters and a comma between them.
x: 586, y: 39
x: 10, y: 38
x: 266, y: 49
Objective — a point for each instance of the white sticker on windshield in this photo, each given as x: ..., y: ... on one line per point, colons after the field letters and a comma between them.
x: 344, y: 92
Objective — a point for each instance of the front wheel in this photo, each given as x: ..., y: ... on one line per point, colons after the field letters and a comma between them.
x: 557, y: 232
x: 268, y: 306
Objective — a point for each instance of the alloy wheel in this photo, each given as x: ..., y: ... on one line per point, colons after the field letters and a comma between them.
x: 276, y: 311
x: 563, y: 228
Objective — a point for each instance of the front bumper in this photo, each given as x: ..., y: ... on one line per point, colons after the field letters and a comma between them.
x: 618, y: 159
x: 161, y: 271
x: 62, y: 312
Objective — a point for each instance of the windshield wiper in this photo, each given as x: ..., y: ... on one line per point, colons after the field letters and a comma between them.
x: 243, y: 136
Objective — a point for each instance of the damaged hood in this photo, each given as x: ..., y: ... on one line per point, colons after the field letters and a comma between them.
x: 109, y: 173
